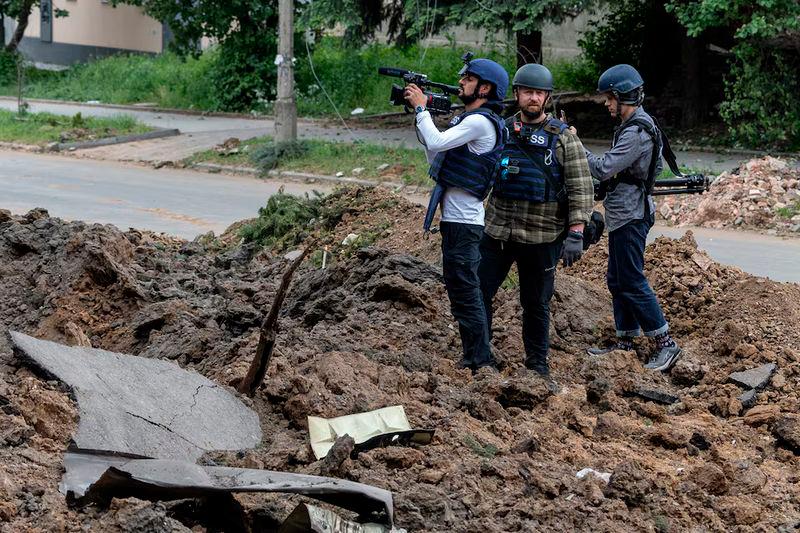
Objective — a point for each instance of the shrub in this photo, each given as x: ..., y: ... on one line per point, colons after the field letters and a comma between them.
x: 269, y: 155
x: 283, y: 219
x: 8, y: 68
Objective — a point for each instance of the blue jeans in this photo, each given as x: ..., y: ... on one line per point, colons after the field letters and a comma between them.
x: 460, y: 259
x: 635, y: 305
x: 536, y: 264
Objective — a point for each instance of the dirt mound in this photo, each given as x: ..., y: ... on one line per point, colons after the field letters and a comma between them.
x: 373, y: 329
x: 763, y: 194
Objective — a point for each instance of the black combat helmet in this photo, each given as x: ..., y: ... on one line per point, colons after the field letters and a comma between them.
x: 534, y: 76
x: 624, y: 82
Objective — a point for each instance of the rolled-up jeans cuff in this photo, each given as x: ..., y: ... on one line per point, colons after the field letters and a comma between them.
x: 628, y: 333
x: 659, y: 331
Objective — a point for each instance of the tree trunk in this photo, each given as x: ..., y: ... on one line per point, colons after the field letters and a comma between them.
x: 693, y: 97
x: 2, y: 29
x: 529, y: 48
x: 22, y: 25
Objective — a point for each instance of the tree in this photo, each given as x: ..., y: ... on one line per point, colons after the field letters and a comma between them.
x: 762, y: 94
x: 20, y: 11
x: 409, y: 20
x: 245, y: 32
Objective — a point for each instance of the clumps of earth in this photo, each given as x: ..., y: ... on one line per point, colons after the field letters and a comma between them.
x: 690, y: 450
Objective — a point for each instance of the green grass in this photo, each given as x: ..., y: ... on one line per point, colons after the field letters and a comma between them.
x: 406, y: 165
x: 43, y: 128
x: 165, y: 80
x: 350, y: 77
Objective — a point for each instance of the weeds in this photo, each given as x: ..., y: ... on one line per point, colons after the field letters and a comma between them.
x: 42, y: 128
x: 789, y: 211
x: 376, y: 162
x: 284, y: 220
x: 269, y: 155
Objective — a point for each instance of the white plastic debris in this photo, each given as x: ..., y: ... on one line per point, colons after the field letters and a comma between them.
x: 357, y: 111
x: 605, y: 476
x: 279, y: 59
x: 350, y: 239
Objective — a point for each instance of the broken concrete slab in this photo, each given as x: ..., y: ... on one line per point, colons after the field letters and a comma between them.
x: 143, y: 407
x: 307, y: 518
x: 748, y: 398
x: 754, y: 378
x: 654, y: 395
x: 372, y: 429
x: 161, y: 479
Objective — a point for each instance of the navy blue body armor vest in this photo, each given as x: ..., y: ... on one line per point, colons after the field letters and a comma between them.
x: 530, y: 169
x: 461, y: 168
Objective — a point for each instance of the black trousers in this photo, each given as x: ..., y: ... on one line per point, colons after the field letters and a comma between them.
x: 460, y: 260
x: 536, y: 264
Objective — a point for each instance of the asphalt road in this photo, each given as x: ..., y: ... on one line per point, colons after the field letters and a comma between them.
x: 178, y: 202
x: 202, y: 133
x: 186, y: 204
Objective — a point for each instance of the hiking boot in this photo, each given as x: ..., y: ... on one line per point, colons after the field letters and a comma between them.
x: 490, y: 369
x: 461, y: 365
x: 664, y: 358
x: 619, y: 345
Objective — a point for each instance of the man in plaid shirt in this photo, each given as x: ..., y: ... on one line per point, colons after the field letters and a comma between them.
x: 537, y: 210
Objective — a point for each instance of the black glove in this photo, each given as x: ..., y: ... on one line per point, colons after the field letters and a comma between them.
x: 573, y: 248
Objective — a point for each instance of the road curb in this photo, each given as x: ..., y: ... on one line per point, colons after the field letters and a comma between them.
x: 151, y: 109
x: 306, y: 177
x: 117, y: 139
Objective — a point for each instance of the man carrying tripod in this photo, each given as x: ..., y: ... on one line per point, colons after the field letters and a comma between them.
x: 537, y: 210
x: 628, y: 171
x: 463, y: 160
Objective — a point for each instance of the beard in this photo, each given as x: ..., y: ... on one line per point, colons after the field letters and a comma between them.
x: 532, y: 115
x: 467, y: 99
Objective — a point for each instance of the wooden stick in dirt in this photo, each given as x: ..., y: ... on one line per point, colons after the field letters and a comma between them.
x: 269, y: 330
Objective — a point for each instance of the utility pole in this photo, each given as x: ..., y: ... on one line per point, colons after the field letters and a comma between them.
x: 285, y: 109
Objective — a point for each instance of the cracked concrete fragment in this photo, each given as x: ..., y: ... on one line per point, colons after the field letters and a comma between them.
x: 144, y: 407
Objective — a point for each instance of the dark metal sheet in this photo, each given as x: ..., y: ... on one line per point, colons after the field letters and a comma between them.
x: 161, y: 479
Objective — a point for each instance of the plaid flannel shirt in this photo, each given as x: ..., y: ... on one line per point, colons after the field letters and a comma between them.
x: 536, y: 223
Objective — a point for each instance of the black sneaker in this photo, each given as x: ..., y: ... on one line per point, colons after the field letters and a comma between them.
x: 598, y: 352
x: 664, y: 358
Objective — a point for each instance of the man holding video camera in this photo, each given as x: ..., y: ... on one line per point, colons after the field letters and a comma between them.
x: 537, y: 211
x: 463, y: 160
x: 627, y: 173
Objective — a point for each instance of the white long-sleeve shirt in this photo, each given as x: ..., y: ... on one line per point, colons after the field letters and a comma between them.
x: 478, y: 133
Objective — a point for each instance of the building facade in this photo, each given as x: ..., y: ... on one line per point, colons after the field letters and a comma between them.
x: 93, y: 28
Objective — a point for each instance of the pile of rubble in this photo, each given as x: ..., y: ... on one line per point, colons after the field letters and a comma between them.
x: 763, y: 194
x: 715, y: 445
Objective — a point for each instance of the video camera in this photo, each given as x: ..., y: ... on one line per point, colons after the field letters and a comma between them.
x: 691, y: 184
x: 438, y: 102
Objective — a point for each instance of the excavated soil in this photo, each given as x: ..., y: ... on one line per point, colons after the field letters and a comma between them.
x: 373, y: 329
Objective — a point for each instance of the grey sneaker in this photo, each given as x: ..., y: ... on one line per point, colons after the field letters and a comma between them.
x: 664, y: 358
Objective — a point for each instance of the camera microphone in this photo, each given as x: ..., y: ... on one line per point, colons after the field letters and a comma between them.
x: 389, y: 71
